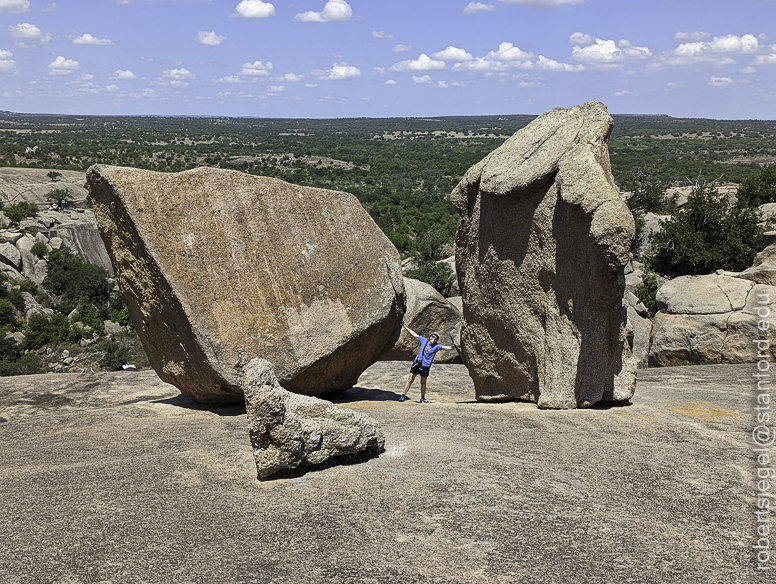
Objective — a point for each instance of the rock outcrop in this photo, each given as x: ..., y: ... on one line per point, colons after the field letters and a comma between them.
x: 763, y: 271
x: 289, y: 431
x: 709, y: 319
x: 541, y: 248
x: 427, y: 311
x: 219, y: 267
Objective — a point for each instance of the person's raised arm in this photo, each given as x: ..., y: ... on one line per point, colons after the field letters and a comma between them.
x: 446, y: 348
x: 409, y: 330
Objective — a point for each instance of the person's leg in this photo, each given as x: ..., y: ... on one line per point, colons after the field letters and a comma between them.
x: 423, y: 387
x: 410, y: 380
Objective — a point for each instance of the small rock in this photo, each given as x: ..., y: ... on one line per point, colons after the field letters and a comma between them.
x: 55, y: 242
x: 65, y: 354
x: 68, y: 361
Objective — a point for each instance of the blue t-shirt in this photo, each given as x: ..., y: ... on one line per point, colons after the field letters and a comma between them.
x: 427, y: 352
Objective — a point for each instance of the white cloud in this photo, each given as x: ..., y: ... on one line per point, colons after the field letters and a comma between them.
x: 765, y: 59
x: 112, y: 87
x: 717, y: 52
x: 332, y: 10
x: 15, y: 93
x: 508, y: 52
x: 623, y: 93
x: 403, y: 49
x: 670, y: 86
x: 719, y: 81
x: 682, y: 37
x: 390, y: 82
x: 229, y: 79
x: 62, y: 66
x: 15, y: 6
x: 7, y: 63
x: 543, y: 3
x: 747, y: 70
x: 606, y: 54
x: 209, y: 38
x: 254, y: 9
x: 475, y: 7
x: 338, y: 72
x: 86, y: 77
x: 123, y: 74
x: 256, y: 69
x: 422, y: 63
x: 423, y: 79
x: 178, y: 74
x: 452, y: 54
x: 508, y: 57
x: 311, y: 85
x: 527, y: 84
x: 581, y: 39
x: 148, y: 92
x: 379, y: 70
x: 381, y: 34
x: 87, y: 39
x: 50, y: 8
x: 275, y: 89
x: 24, y: 30
x: 289, y: 77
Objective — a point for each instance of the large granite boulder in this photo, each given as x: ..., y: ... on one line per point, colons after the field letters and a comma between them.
x: 82, y: 237
x: 290, y: 431
x: 541, y: 248
x: 218, y: 267
x: 709, y: 319
x: 427, y: 311
x: 763, y: 271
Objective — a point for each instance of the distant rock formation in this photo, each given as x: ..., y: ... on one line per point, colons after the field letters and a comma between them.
x: 427, y: 311
x: 540, y: 253
x: 219, y: 267
x: 289, y: 431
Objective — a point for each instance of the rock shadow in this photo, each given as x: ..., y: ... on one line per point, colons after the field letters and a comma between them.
x: 355, y: 394
x: 184, y: 401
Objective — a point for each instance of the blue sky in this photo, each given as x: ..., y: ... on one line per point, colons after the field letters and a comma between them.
x: 381, y: 58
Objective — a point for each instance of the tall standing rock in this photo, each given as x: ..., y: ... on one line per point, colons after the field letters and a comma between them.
x: 541, y: 247
x: 219, y: 267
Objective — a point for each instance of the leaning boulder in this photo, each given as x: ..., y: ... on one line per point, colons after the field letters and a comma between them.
x: 541, y: 249
x: 763, y: 271
x: 217, y: 267
x: 427, y: 311
x: 290, y: 431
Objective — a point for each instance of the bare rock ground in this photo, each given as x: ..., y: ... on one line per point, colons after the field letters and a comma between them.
x: 117, y: 478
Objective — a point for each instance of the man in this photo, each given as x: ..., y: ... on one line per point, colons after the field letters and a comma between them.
x: 429, y: 347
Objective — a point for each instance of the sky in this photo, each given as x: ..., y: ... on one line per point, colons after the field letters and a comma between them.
x: 388, y: 58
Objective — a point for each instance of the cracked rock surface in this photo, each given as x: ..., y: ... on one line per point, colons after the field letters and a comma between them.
x: 289, y: 431
x: 218, y: 267
x: 541, y: 249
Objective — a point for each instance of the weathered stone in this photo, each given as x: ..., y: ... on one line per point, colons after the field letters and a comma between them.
x: 763, y: 271
x: 769, y: 238
x: 711, y: 294
x: 10, y: 272
x: 218, y: 267
x: 83, y: 238
x: 541, y: 247
x: 427, y: 311
x: 56, y: 243
x: 10, y: 256
x: 31, y: 306
x: 112, y: 328
x: 18, y: 337
x: 289, y: 430
x: 636, y: 303
x: 11, y: 236
x: 651, y: 225
x: 642, y: 333
x: 454, y: 288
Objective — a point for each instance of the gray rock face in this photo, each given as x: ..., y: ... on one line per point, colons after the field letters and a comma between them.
x: 763, y: 271
x: 218, y: 267
x: 289, y: 431
x: 651, y: 225
x: 427, y: 311
x: 642, y: 334
x: 541, y: 249
x: 10, y: 256
x: 83, y: 238
x: 710, y: 294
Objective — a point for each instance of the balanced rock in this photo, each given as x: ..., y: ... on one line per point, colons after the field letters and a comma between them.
x: 427, y: 311
x: 541, y: 249
x: 218, y: 267
x: 289, y: 431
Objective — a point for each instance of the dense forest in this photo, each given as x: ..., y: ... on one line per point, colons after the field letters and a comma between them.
x: 401, y: 169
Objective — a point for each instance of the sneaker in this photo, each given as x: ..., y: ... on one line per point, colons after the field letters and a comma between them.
x: 423, y: 400
x: 403, y: 398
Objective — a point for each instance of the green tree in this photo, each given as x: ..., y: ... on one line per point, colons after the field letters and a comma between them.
x: 20, y: 211
x: 53, y: 175
x: 60, y: 196
x: 440, y: 276
x: 39, y: 250
x: 74, y: 279
x: 759, y: 188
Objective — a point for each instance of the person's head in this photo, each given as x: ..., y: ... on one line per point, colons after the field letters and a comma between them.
x: 434, y: 338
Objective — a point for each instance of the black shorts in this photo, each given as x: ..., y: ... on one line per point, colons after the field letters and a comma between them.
x: 418, y: 369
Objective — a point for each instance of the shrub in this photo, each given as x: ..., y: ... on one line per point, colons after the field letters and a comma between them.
x: 28, y: 364
x: 60, y: 196
x: 648, y: 192
x: 647, y: 291
x: 115, y: 356
x: 74, y: 279
x: 6, y: 311
x: 758, y: 188
x: 53, y: 175
x: 39, y: 250
x: 708, y: 234
x: 20, y: 211
x: 440, y: 276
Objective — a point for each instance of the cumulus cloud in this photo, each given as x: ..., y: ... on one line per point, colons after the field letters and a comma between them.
x: 332, y: 10
x: 112, y: 87
x: 718, y: 81
x: 529, y: 84
x: 718, y: 52
x: 403, y: 49
x: 289, y: 77
x: 256, y: 69
x: 475, y: 7
x: 229, y: 79
x: 379, y: 70
x: 15, y: 93
x: 123, y: 74
x: 390, y: 82
x: 606, y: 54
x: 452, y: 54
x: 311, y: 85
x: 747, y: 70
x: 543, y: 3
x: 682, y: 37
x: 62, y: 66
x: 422, y: 79
x: 209, y: 38
x: 254, y: 9
x: 765, y: 60
x: 178, y: 74
x: 421, y: 64
x: 87, y: 39
x: 338, y: 72
x: 381, y: 34
x: 275, y: 89
x: 670, y: 86
x: 24, y: 30
x: 581, y: 39
x: 15, y: 6
x: 7, y: 63
x: 50, y: 8
x: 623, y: 93
x: 508, y: 57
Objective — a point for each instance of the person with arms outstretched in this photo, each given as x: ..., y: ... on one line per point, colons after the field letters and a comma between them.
x: 429, y: 347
